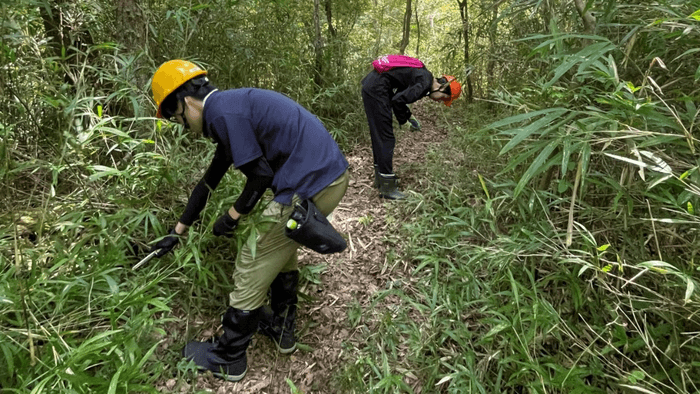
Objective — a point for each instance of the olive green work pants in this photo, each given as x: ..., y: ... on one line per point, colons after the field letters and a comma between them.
x: 275, y: 252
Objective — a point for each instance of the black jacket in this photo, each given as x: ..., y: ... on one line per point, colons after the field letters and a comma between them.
x: 401, y: 85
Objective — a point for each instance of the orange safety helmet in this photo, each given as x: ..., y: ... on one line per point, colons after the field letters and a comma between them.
x: 170, y: 76
x: 455, y: 89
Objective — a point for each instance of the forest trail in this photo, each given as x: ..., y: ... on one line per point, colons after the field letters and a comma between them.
x: 347, y: 279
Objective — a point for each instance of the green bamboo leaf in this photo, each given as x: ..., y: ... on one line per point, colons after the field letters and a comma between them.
x: 9, y: 359
x: 586, y: 156
x: 547, y: 43
x: 513, y: 163
x: 535, y: 167
x: 533, y: 127
x: 689, y: 290
x: 596, y: 50
x: 115, y: 381
x: 113, y: 286
x: 135, y: 105
x: 159, y: 305
x: 146, y: 356
x: 688, y: 52
x: 636, y: 376
x: 658, y: 181
x: 659, y: 266
x: 523, y: 117
x: 102, y: 171
x: 660, y: 140
x: 594, y: 53
x: 637, y: 163
x: 687, y: 173
x: 95, y: 343
x: 583, y: 269
x: 496, y: 329
x: 659, y: 164
x: 676, y: 221
x: 114, y: 131
x: 695, y: 15
x: 565, y: 154
x: 483, y: 186
x: 104, y: 45
x: 39, y: 388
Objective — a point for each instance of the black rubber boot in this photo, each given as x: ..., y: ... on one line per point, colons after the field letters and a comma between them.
x: 376, y: 177
x: 277, y: 321
x: 389, y: 187
x: 226, y: 356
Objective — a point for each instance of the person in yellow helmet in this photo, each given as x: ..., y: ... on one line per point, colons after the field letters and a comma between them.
x: 278, y: 145
x: 396, y: 81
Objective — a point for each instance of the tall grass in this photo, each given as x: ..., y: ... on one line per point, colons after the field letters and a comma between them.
x: 566, y: 262
x: 91, y: 179
x: 556, y: 267
x: 496, y: 302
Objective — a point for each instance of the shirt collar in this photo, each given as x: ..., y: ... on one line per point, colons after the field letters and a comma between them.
x: 204, y: 102
x: 205, y: 128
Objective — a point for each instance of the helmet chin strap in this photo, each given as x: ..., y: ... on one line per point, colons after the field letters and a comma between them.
x: 184, y: 118
x: 441, y: 89
x: 438, y: 90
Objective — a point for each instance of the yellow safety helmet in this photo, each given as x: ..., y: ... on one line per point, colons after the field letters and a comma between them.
x: 170, y: 76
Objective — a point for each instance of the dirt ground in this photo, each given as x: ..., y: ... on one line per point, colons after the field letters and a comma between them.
x: 350, y: 278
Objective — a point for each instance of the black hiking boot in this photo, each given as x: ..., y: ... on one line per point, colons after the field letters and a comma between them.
x: 277, y: 321
x: 226, y: 357
x: 389, y: 187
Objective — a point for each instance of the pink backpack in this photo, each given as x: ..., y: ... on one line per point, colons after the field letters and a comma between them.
x: 386, y: 63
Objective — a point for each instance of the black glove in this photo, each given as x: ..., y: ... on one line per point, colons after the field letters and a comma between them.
x: 166, y: 244
x: 225, y: 225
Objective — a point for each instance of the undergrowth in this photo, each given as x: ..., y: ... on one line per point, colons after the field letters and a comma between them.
x: 497, y: 302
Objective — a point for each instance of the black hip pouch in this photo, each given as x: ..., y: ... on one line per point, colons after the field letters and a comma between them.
x: 308, y: 226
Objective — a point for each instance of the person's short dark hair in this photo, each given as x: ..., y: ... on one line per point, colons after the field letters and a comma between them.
x: 198, y: 87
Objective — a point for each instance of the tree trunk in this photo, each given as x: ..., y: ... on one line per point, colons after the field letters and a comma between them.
x: 493, y: 38
x: 464, y: 14
x: 318, y: 46
x: 329, y: 17
x: 586, y: 16
x: 131, y: 31
x: 417, y: 31
x: 406, y: 28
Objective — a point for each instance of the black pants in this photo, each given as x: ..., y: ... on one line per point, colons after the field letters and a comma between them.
x: 379, y: 117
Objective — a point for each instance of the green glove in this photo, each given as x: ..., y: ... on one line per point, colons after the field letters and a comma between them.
x: 414, y: 124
